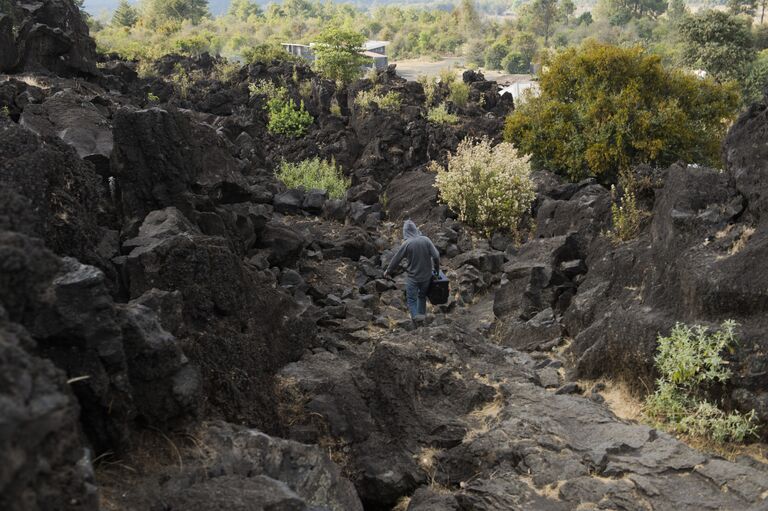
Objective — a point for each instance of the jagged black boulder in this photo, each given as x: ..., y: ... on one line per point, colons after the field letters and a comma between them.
x: 45, y: 462
x: 164, y: 158
x: 126, y: 367
x: 47, y: 35
x: 66, y: 199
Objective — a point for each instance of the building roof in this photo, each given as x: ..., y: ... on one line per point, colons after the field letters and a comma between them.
x: 369, y: 45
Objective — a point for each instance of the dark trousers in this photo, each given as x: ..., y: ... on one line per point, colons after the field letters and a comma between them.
x: 416, y: 297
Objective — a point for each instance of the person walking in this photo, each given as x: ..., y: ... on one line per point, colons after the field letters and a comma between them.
x: 423, y: 261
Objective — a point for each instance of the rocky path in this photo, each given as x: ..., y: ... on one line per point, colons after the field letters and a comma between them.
x: 442, y: 417
x: 165, y: 303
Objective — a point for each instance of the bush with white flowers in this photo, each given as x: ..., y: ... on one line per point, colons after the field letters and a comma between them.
x: 488, y: 186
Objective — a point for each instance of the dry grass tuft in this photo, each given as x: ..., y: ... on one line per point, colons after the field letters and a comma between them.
x: 291, y: 400
x: 291, y: 410
x: 427, y: 458
x: 628, y: 407
x: 486, y: 416
x: 742, y: 240
x: 727, y: 450
x: 549, y: 491
x: 402, y: 504
x: 619, y: 399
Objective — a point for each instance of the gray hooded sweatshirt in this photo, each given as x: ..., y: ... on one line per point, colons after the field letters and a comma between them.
x: 420, y: 253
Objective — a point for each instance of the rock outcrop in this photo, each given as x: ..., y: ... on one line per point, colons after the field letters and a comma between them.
x: 46, y: 35
x: 45, y: 463
x: 126, y: 367
x: 463, y: 424
x: 64, y: 200
x: 243, y: 469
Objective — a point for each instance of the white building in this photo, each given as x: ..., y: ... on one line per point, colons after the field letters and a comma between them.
x: 375, y: 50
x: 517, y: 89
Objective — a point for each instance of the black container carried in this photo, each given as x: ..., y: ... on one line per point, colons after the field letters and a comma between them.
x: 438, y: 289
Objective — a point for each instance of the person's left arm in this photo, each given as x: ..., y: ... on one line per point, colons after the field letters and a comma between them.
x: 435, y: 258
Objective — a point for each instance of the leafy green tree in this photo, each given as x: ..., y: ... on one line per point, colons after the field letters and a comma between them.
x: 125, y: 15
x: 157, y: 12
x: 585, y: 18
x: 526, y: 44
x: 619, y: 12
x: 337, y: 54
x: 602, y: 109
x: 495, y: 54
x: 756, y: 80
x: 567, y: 8
x: 677, y: 10
x: 467, y: 17
x: 243, y: 9
x: 540, y: 17
x: 515, y: 63
x: 719, y: 43
x: 736, y: 7
x: 296, y: 8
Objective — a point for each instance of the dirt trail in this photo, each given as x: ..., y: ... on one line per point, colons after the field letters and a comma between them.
x: 442, y: 417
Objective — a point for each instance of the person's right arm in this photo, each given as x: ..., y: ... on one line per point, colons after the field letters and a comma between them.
x: 395, y: 260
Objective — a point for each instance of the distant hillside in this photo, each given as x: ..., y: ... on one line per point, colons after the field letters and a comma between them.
x: 96, y: 7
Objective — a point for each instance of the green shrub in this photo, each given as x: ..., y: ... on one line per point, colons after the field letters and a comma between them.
x: 5, y: 112
x: 284, y: 117
x: 625, y: 215
x: 389, y: 102
x: 515, y: 63
x: 447, y: 76
x: 181, y: 80
x: 756, y: 80
x: 439, y: 115
x: 268, y: 89
x: 689, y: 361
x: 489, y: 187
x: 335, y: 107
x: 305, y: 89
x: 459, y: 94
x: 267, y: 53
x: 602, y: 109
x: 226, y: 71
x: 314, y: 174
x: 429, y: 84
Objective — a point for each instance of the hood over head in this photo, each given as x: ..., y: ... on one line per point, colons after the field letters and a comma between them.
x: 410, y: 230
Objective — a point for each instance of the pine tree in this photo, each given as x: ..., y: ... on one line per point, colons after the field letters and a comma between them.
x: 157, y: 12
x: 125, y: 15
x: 242, y: 9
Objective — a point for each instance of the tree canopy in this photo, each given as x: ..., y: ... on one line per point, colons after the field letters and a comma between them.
x: 719, y: 43
x: 243, y: 9
x: 337, y: 54
x: 603, y: 109
x: 157, y: 12
x: 125, y: 15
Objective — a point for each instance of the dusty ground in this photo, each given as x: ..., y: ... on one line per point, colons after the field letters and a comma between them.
x: 411, y: 69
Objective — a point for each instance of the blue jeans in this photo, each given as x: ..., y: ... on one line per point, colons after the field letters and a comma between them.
x: 416, y: 297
